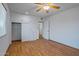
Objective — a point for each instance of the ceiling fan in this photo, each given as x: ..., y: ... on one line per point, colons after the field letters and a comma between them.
x: 46, y: 7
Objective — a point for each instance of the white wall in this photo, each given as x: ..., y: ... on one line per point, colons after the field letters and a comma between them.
x: 30, y: 29
x: 64, y: 27
x: 46, y: 28
x: 6, y: 40
x: 15, y: 17
x: 20, y: 18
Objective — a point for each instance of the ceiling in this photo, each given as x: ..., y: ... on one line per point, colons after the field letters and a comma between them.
x: 30, y: 8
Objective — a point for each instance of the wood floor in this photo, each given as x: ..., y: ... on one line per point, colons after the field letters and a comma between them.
x: 40, y: 47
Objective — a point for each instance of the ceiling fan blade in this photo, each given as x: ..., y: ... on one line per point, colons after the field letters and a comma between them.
x: 56, y: 7
x: 38, y: 9
x: 38, y: 3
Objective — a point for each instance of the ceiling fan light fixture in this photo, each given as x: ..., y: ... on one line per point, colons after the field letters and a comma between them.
x: 46, y: 7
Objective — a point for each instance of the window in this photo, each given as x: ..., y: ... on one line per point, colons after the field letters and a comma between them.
x: 2, y: 20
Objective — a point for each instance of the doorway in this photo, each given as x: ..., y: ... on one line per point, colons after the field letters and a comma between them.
x: 41, y: 30
x: 16, y: 31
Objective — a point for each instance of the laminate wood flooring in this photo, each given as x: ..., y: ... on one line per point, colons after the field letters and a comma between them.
x: 40, y: 47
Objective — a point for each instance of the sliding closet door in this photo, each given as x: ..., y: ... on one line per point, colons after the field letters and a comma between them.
x: 16, y: 31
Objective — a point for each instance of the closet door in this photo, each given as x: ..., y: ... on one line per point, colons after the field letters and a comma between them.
x: 16, y: 31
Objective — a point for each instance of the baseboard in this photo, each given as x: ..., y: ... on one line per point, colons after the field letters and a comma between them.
x: 7, y: 48
x: 15, y: 40
x: 64, y: 44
